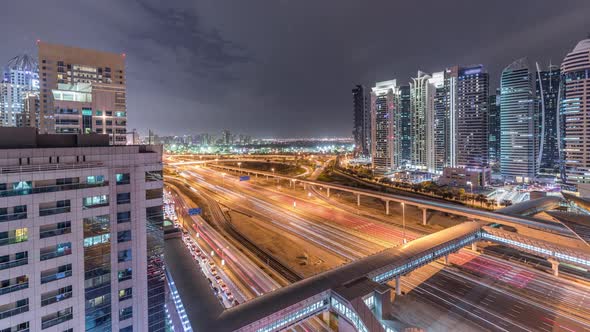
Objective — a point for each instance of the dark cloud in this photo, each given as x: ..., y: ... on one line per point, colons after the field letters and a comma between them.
x: 285, y: 68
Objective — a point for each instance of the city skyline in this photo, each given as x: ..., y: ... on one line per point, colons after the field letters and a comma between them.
x: 228, y: 75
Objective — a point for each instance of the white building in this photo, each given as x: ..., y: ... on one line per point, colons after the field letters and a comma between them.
x: 80, y: 234
x: 422, y: 122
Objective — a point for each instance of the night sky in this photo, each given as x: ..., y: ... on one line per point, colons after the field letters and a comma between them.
x: 286, y: 68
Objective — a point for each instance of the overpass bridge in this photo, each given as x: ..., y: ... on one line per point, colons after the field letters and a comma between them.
x: 422, y: 203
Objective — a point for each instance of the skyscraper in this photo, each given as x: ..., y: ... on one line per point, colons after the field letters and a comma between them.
x: 82, y: 234
x: 422, y: 122
x: 472, y: 117
x: 519, y: 122
x: 445, y: 111
x: 97, y: 77
x: 362, y: 120
x: 20, y: 78
x: 404, y: 130
x: 494, y: 130
x: 441, y: 121
x: 384, y: 155
x: 575, y: 107
x: 547, y: 92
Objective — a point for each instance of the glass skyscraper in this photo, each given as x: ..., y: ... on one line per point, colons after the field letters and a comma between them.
x: 472, y: 117
x: 404, y: 130
x: 362, y: 120
x: 575, y: 110
x: 494, y: 130
x: 547, y: 91
x: 519, y: 122
x: 382, y: 121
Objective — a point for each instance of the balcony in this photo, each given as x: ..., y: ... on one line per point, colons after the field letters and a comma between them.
x: 62, y: 272
x: 51, y: 189
x: 56, y: 296
x: 48, y: 167
x: 56, y: 318
x: 63, y: 249
x: 13, y: 216
x: 95, y: 202
x: 14, y: 236
x: 56, y: 276
x: 14, y: 288
x: 13, y: 309
x: 55, y: 230
x: 53, y: 210
x: 17, y: 261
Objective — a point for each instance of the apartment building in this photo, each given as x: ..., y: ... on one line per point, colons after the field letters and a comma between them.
x: 81, y: 243
x: 82, y: 91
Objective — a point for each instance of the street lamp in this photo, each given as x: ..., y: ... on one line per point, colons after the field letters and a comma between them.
x: 404, y: 221
x: 470, y: 184
x: 223, y: 178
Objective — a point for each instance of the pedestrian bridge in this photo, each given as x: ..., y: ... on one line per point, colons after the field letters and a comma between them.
x: 353, y: 291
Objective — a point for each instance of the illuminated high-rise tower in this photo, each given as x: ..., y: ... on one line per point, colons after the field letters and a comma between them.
x: 519, y: 122
x: 472, y: 117
x: 575, y: 110
x: 547, y: 92
x: 20, y: 78
x: 422, y: 122
x: 362, y: 120
x: 384, y: 155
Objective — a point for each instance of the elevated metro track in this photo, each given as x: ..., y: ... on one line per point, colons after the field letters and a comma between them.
x: 421, y: 203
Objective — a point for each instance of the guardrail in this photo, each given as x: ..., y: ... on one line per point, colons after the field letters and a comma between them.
x: 48, y: 167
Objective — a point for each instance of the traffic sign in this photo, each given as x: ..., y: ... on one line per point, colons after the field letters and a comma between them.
x: 245, y: 178
x: 194, y: 211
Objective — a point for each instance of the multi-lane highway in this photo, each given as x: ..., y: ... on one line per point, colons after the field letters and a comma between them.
x: 469, y: 289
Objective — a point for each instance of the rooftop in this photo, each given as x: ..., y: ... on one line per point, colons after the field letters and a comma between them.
x: 29, y: 138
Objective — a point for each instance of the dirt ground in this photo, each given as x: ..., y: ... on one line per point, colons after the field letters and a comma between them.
x: 290, y: 250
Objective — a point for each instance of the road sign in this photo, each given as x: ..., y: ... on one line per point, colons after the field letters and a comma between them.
x: 194, y: 211
x: 245, y: 178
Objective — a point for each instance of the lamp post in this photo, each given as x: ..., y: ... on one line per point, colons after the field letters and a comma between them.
x: 240, y: 166
x: 470, y: 184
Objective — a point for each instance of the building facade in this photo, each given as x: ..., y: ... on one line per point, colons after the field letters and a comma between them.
x: 65, y: 70
x: 383, y: 139
x: 20, y: 78
x: 422, y: 122
x: 471, y: 140
x: 575, y: 110
x: 469, y: 178
x: 547, y: 92
x: 494, y: 130
x: 404, y: 130
x: 441, y: 121
x: 81, y: 235
x: 519, y: 123
x: 445, y: 112
x: 361, y: 105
